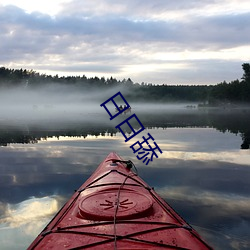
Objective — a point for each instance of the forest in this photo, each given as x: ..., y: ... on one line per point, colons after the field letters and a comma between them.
x: 224, y: 93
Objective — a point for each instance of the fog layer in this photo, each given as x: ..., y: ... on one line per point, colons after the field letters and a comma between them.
x: 60, y: 102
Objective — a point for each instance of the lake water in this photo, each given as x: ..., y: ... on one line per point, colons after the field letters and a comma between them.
x: 203, y: 172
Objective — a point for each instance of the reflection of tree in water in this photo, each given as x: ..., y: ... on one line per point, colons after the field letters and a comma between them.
x: 233, y: 121
x: 16, y: 137
x: 237, y: 123
x: 34, y: 134
x: 246, y: 141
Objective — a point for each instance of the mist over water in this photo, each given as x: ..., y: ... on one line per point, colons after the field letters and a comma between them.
x: 45, y: 103
x: 60, y: 102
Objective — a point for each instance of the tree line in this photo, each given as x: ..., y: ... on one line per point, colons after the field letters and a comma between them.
x: 236, y: 91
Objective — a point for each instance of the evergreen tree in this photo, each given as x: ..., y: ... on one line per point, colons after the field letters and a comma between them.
x: 246, y: 69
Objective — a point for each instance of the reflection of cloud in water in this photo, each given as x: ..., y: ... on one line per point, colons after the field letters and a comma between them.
x: 22, y: 222
x: 227, y: 240
x: 226, y: 216
x: 29, y: 212
x: 229, y: 203
x: 236, y: 156
x: 172, y: 148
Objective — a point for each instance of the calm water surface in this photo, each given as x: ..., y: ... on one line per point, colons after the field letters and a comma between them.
x: 203, y: 172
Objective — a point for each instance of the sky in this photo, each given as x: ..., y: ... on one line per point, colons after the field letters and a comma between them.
x: 153, y: 41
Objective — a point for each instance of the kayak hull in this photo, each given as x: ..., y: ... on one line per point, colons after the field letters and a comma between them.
x: 116, y: 209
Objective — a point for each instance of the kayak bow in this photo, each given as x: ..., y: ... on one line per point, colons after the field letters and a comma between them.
x: 116, y: 209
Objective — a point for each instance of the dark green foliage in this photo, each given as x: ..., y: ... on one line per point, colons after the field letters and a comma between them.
x: 234, y: 92
x: 246, y: 69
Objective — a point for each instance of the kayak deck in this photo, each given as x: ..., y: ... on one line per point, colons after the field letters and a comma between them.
x: 116, y: 209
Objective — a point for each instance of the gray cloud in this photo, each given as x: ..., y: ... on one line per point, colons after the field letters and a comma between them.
x: 108, y: 39
x: 132, y: 8
x: 224, y: 31
x: 204, y: 29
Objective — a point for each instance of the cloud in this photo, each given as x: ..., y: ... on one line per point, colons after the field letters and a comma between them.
x: 29, y: 210
x: 115, y: 38
x: 26, y: 220
x: 229, y: 204
x: 141, y: 10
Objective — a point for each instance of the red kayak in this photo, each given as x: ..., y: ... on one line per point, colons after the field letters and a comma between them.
x: 116, y: 209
